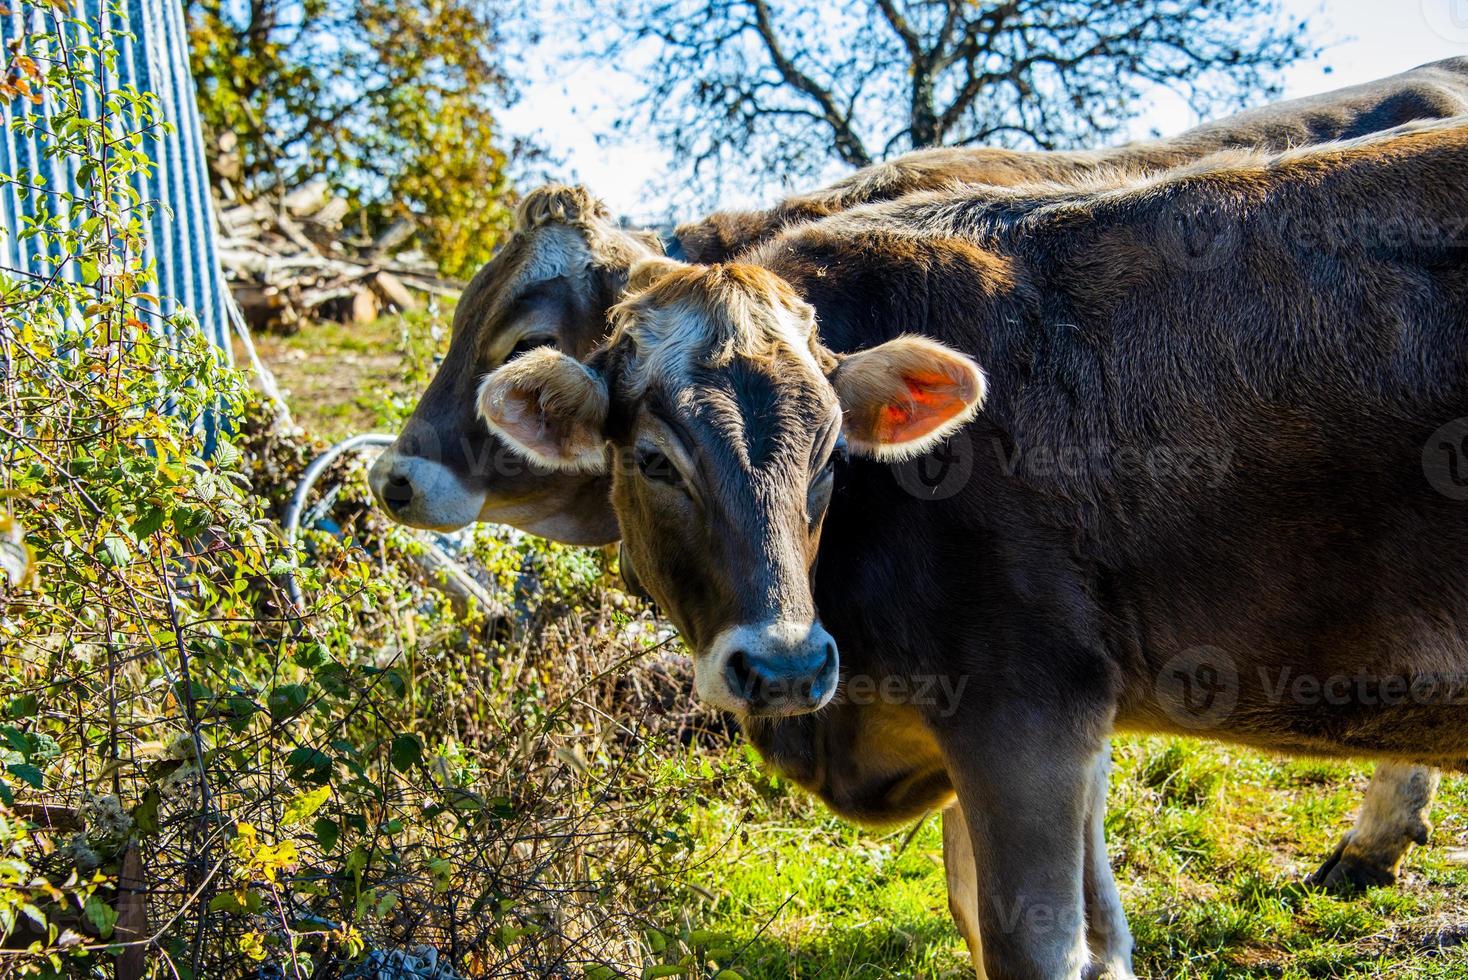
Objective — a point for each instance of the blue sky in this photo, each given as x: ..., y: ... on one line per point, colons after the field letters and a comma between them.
x: 570, y: 111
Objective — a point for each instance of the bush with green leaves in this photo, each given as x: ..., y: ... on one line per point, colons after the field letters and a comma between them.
x: 203, y: 779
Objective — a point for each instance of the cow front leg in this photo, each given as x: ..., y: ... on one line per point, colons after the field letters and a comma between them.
x: 1107, y: 934
x: 963, y: 883
x: 1393, y: 817
x: 1025, y: 789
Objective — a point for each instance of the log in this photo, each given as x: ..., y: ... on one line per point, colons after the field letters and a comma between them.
x: 287, y: 262
x: 132, y: 916
x: 391, y: 289
x: 307, y: 199
x: 365, y: 307
x: 396, y: 234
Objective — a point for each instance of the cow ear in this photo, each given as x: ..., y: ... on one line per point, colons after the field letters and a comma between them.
x: 549, y: 408
x: 905, y: 396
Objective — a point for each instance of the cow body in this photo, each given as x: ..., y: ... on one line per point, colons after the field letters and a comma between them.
x: 1301, y: 317
x: 1304, y: 321
x: 558, y: 290
x: 1313, y: 345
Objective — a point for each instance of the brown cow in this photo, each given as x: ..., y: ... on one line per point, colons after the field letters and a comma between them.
x: 565, y: 266
x: 1305, y: 313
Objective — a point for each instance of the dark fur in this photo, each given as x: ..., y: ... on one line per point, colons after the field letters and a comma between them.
x: 1321, y: 364
x: 1318, y: 354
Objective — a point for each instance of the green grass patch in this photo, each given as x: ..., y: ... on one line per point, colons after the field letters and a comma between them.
x: 1210, y: 844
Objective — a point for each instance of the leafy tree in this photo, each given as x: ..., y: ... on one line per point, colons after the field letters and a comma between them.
x: 777, y: 88
x: 389, y: 101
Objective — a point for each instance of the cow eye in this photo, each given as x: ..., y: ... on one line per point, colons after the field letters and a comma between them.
x: 527, y: 344
x: 818, y: 496
x: 658, y: 467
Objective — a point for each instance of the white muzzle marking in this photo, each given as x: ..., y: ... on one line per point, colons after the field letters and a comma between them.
x: 422, y: 493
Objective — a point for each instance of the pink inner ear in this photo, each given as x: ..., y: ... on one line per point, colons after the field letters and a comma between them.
x: 932, y: 399
x: 520, y: 414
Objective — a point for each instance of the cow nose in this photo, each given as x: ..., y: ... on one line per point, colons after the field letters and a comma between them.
x: 778, y: 679
x: 397, y: 491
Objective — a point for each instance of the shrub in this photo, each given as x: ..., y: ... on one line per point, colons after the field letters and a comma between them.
x: 202, y: 779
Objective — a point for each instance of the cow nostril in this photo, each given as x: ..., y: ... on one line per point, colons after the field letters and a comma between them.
x: 397, y: 492
x: 740, y: 675
x: 824, y: 678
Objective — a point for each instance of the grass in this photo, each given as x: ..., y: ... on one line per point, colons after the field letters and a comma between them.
x: 813, y: 897
x: 343, y: 379
x: 1209, y: 842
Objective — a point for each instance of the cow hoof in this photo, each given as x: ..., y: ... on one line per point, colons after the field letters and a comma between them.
x: 1349, y: 871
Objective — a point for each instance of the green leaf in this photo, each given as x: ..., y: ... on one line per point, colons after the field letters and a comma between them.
x: 391, y: 677
x: 287, y: 700
x: 150, y: 519
x: 333, y: 680
x: 304, y: 805
x: 145, y: 814
x: 194, y: 690
x: 311, y: 765
x: 225, y: 902
x: 190, y: 521
x: 407, y: 751
x: 6, y: 796
x: 101, y: 915
x: 310, y: 655
x: 27, y: 772
x: 327, y: 832
x: 17, y: 740
x: 116, y: 551
x: 239, y: 709
x: 23, y: 706
x: 356, y: 861
x: 654, y: 972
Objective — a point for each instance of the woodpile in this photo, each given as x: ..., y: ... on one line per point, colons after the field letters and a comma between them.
x: 289, y: 261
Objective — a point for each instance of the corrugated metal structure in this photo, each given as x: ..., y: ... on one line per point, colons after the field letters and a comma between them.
x: 183, y: 238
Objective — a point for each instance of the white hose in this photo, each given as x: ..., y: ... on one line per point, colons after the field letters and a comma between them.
x: 438, y: 560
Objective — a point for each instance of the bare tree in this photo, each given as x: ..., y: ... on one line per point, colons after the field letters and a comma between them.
x: 779, y: 89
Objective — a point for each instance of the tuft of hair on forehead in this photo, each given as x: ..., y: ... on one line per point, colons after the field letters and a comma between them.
x: 678, y: 316
x: 558, y: 204
x: 563, y: 232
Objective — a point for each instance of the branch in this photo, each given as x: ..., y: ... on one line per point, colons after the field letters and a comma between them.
x: 910, y: 39
x: 848, y: 144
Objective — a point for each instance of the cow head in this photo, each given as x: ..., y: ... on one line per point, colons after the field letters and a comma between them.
x: 548, y: 287
x: 726, y: 419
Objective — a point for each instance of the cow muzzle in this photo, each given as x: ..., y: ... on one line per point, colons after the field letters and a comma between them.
x: 422, y: 492
x: 769, y: 670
